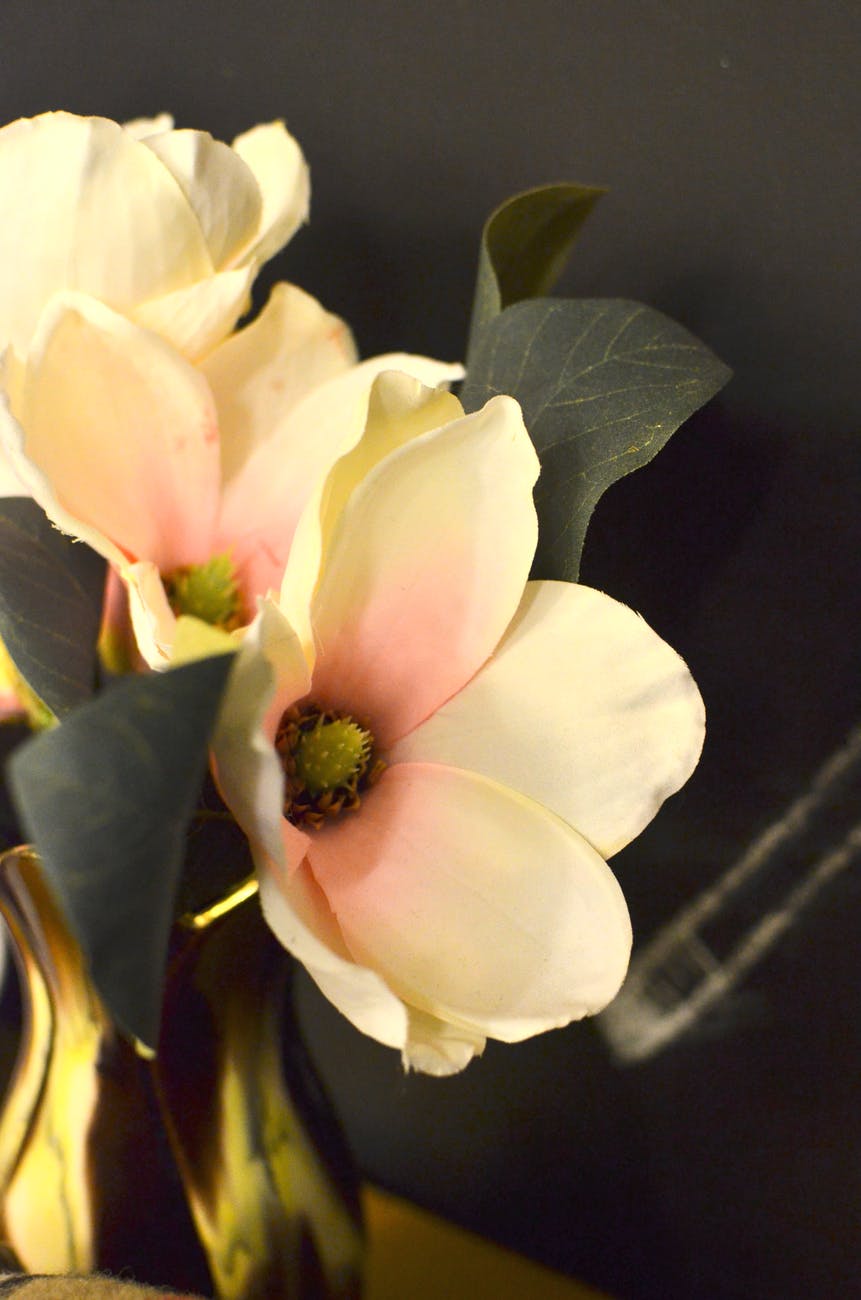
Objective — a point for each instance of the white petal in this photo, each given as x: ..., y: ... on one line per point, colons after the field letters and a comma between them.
x: 87, y: 206
x: 473, y: 903
x: 195, y: 318
x: 221, y: 189
x: 401, y: 408
x: 10, y: 483
x: 582, y: 707
x: 261, y: 373
x: 331, y: 418
x: 437, y: 1047
x: 124, y: 430
x: 142, y: 127
x: 11, y: 378
x: 285, y: 187
x: 408, y: 399
x: 153, y: 620
x: 425, y: 569
x: 300, y: 919
x: 286, y: 477
x: 22, y: 478
x: 247, y: 768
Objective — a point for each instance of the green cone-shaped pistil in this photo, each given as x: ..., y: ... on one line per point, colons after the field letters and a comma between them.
x: 331, y: 754
x: 206, y: 591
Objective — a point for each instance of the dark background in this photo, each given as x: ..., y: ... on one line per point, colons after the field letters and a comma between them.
x: 729, y: 1165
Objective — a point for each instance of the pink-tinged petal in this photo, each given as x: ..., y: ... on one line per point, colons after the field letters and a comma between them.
x: 425, y: 570
x: 301, y: 920
x: 125, y: 431
x: 197, y: 317
x: 474, y: 904
x: 11, y: 703
x: 401, y: 408
x: 221, y: 189
x: 282, y: 176
x: 11, y: 708
x: 261, y: 373
x: 36, y: 485
x: 582, y: 707
x: 269, y: 663
x: 340, y: 405
x: 265, y: 499
x: 117, y: 225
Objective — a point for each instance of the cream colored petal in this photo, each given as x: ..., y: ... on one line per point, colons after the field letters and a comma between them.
x: 143, y: 127
x: 285, y: 187
x: 401, y: 408
x: 87, y: 206
x: 301, y: 920
x: 436, y: 1047
x: 263, y: 502
x: 153, y: 620
x: 582, y: 707
x: 269, y: 662
x: 473, y: 903
x: 11, y: 485
x: 221, y: 189
x: 125, y: 432
x: 194, y: 319
x: 329, y: 421
x: 286, y: 472
x: 425, y: 569
x: 399, y: 405
x: 18, y: 469
x: 11, y: 377
x: 262, y: 372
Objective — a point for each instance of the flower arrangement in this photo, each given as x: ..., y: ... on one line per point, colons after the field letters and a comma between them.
x: 346, y: 592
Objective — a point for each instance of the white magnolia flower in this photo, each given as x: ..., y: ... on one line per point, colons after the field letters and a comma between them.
x: 189, y: 479
x: 433, y: 757
x: 166, y: 227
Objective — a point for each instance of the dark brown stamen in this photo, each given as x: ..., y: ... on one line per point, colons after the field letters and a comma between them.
x: 302, y: 806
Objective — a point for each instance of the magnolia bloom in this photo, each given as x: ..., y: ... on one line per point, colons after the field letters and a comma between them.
x: 189, y: 479
x: 166, y: 227
x: 432, y: 756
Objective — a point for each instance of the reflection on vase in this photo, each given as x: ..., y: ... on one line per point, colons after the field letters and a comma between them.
x: 217, y: 1167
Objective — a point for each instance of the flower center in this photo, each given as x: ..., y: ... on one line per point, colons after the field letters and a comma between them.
x: 329, y: 762
x: 207, y: 591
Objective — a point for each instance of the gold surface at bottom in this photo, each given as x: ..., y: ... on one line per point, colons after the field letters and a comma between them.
x: 414, y: 1253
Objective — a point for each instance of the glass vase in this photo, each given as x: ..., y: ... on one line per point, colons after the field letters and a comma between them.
x: 216, y: 1166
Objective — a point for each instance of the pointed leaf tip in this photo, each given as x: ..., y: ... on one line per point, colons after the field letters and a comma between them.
x: 525, y: 244
x: 603, y: 383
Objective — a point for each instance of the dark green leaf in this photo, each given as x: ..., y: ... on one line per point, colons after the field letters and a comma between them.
x: 51, y: 592
x: 603, y: 384
x: 107, y: 798
x: 524, y: 246
x: 217, y: 855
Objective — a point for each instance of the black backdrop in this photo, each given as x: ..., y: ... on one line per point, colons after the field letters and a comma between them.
x: 726, y: 1165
